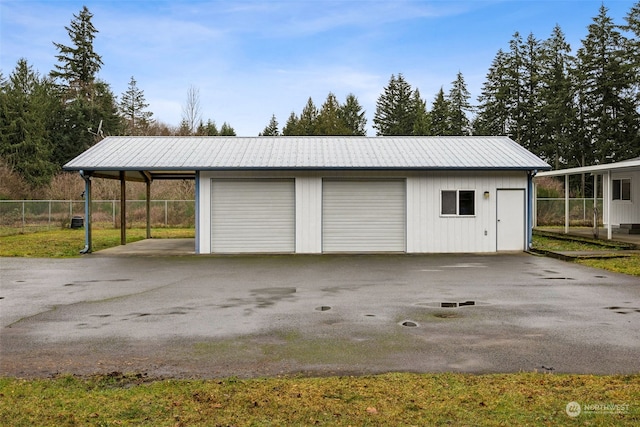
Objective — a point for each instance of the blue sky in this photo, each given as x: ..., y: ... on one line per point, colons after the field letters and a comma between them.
x: 251, y: 59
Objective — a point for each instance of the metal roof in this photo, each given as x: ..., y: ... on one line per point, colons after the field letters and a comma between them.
x: 188, y: 154
x: 631, y: 164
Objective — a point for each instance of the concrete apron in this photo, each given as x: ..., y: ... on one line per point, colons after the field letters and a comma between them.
x: 353, y: 314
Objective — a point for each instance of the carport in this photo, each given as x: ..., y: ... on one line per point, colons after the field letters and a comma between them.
x: 619, y: 185
x: 124, y: 174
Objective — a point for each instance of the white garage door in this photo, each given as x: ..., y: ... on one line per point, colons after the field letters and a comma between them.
x: 252, y: 215
x: 363, y: 216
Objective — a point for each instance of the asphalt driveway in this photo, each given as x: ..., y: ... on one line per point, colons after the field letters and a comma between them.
x: 216, y: 316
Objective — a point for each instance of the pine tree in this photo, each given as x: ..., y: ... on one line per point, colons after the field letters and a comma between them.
x: 421, y: 118
x: 394, y: 114
x: 26, y: 104
x: 90, y: 110
x: 353, y: 116
x: 531, y: 95
x: 515, y: 84
x: 227, y: 130
x: 272, y: 128
x: 308, y: 119
x: 292, y: 128
x: 329, y: 120
x: 557, y: 109
x: 605, y: 80
x: 458, y: 106
x: 440, y: 114
x: 493, y: 110
x: 633, y: 25
x: 132, y: 107
x: 78, y: 63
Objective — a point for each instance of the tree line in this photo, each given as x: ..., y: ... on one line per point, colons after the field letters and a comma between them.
x: 45, y: 121
x: 569, y: 108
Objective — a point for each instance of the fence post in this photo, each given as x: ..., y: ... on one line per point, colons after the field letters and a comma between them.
x: 165, y: 213
x: 49, y: 224
x: 23, y: 219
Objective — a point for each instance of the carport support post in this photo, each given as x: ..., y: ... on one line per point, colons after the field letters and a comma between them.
x: 609, y: 197
x: 566, y: 204
x: 148, y: 182
x: 123, y: 209
x: 87, y: 212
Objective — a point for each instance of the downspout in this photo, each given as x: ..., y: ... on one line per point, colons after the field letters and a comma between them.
x: 197, y: 207
x: 87, y: 212
x: 530, y: 201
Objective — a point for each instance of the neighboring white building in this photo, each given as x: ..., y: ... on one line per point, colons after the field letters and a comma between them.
x: 338, y: 194
x: 620, y: 190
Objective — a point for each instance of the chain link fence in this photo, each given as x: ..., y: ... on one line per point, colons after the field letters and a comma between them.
x: 20, y: 216
x: 550, y: 212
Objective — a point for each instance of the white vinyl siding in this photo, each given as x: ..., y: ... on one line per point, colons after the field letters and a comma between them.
x: 363, y: 215
x: 252, y: 216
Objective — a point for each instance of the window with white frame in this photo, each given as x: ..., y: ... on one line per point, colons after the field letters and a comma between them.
x: 458, y: 202
x: 622, y: 189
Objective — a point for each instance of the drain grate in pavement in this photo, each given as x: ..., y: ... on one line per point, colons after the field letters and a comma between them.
x: 456, y: 304
x: 323, y: 308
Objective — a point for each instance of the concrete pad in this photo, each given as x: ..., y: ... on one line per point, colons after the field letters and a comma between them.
x: 153, y: 247
x: 217, y: 316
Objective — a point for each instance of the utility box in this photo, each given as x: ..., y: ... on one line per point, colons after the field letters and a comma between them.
x: 77, y: 222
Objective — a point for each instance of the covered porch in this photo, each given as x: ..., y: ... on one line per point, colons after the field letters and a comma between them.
x: 618, y: 185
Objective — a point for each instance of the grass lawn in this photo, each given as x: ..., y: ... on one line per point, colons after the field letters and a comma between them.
x: 626, y: 265
x: 65, y: 243
x: 391, y: 399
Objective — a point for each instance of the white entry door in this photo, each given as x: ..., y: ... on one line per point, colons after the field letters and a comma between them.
x: 511, y: 216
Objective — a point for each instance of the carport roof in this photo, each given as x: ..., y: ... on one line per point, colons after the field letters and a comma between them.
x: 180, y: 157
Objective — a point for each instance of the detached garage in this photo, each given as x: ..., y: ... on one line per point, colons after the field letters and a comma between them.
x: 338, y: 194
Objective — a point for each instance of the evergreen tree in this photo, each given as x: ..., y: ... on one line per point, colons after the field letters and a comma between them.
x: 633, y: 25
x: 272, y: 128
x: 531, y: 115
x: 90, y: 110
x: 458, y: 106
x: 421, y: 118
x: 394, y: 113
x: 27, y: 103
x: 557, y: 109
x: 515, y: 83
x: 308, y: 119
x: 227, y: 130
x: 608, y: 108
x: 82, y: 123
x: 440, y: 114
x: 78, y: 63
x: 329, y: 120
x: 353, y: 116
x: 292, y: 128
x: 493, y: 110
x: 132, y: 107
